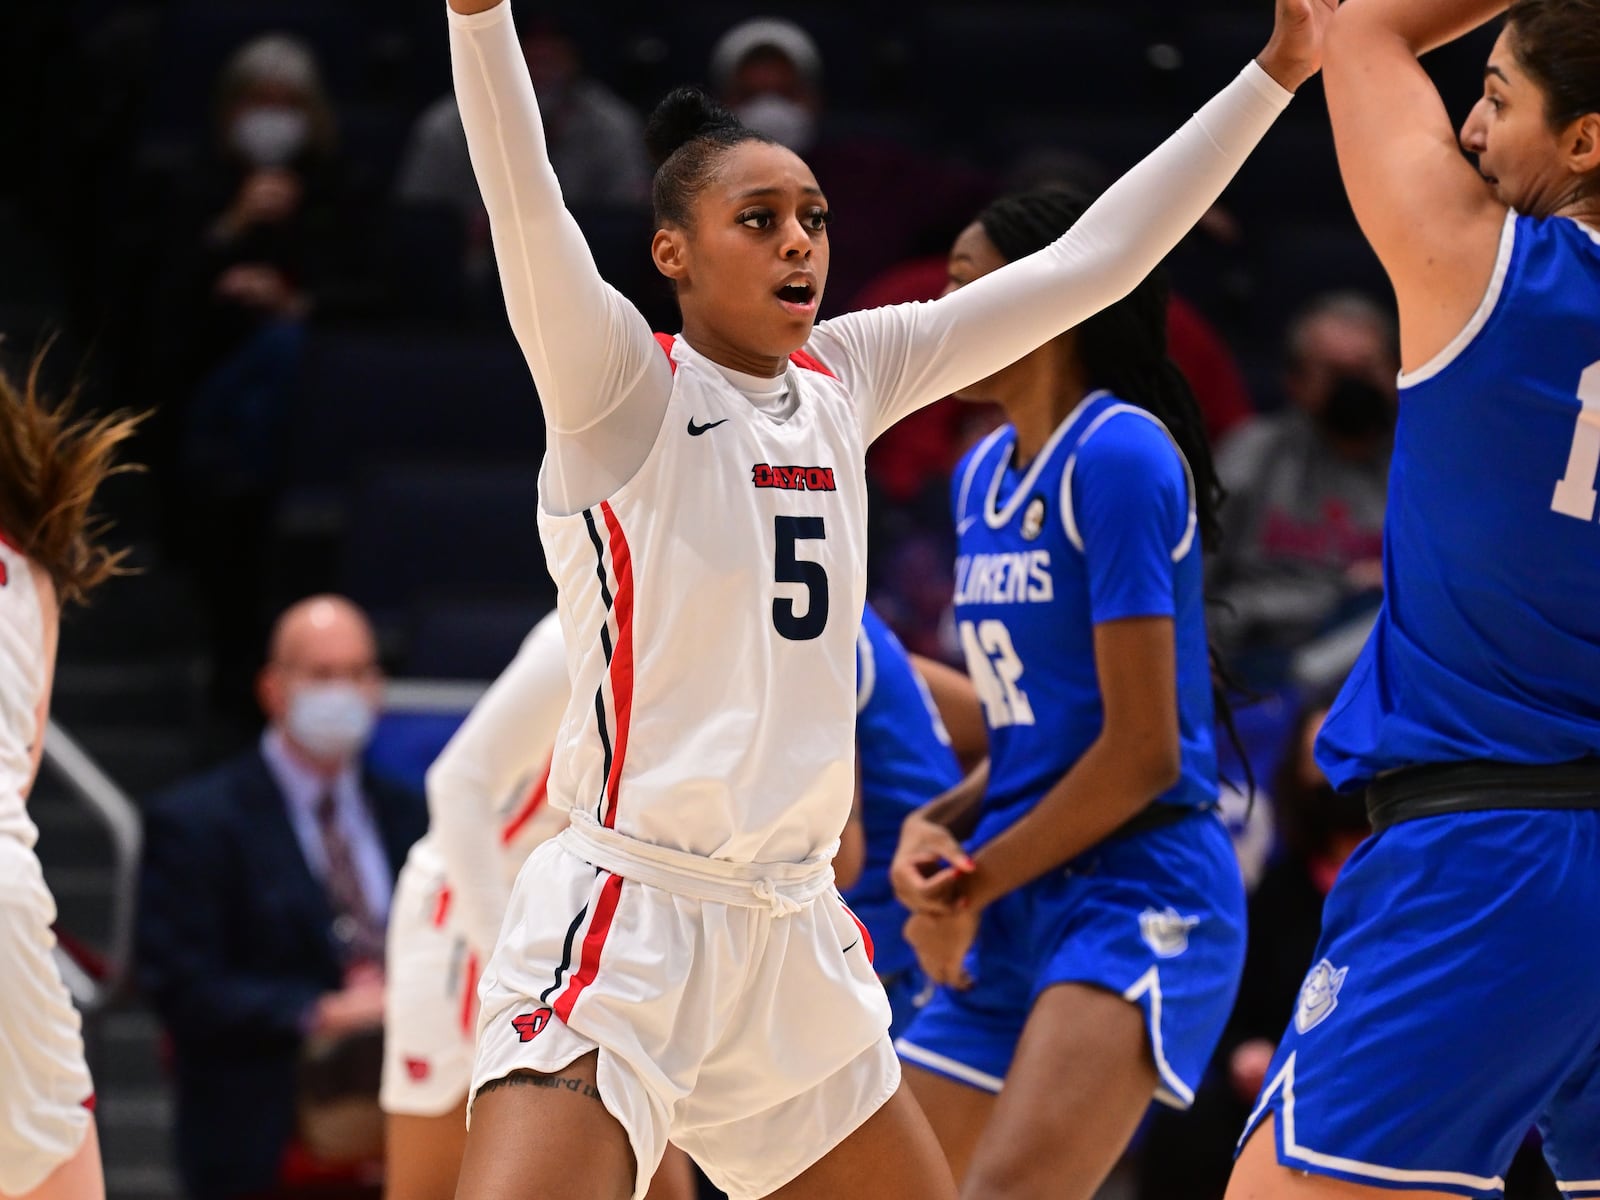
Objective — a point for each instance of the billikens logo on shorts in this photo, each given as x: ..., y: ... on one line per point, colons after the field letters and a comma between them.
x: 793, y: 479
x: 531, y: 1025
x: 1319, y: 996
x: 1166, y: 931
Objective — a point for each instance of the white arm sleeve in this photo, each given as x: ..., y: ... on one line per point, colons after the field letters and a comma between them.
x: 897, y: 359
x: 603, y: 381
x: 504, y: 739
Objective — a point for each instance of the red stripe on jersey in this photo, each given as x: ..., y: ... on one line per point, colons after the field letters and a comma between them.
x: 7, y: 540
x: 593, y: 942
x: 621, y: 656
x: 534, y: 802
x: 801, y: 359
x: 665, y: 340
x: 469, y: 993
x: 441, y: 908
x: 90, y: 1102
x: 866, y: 938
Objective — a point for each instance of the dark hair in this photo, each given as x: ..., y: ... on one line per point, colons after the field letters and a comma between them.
x: 51, y: 462
x: 1557, y: 42
x: 686, y: 135
x: 1123, y: 348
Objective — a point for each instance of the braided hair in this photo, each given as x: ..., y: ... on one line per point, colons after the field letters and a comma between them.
x: 686, y: 136
x: 1123, y: 349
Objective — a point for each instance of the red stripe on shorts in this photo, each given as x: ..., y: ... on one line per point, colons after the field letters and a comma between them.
x: 621, y: 657
x: 441, y: 907
x: 866, y: 938
x: 593, y: 942
x: 534, y: 802
x: 469, y: 992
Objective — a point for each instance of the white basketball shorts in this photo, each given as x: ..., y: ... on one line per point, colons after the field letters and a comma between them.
x: 734, y: 1007
x: 430, y: 999
x: 45, y: 1091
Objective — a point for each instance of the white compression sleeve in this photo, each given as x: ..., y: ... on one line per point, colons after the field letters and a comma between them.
x: 603, y: 382
x: 503, y: 741
x: 899, y: 358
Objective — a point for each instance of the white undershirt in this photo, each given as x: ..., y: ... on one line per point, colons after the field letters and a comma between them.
x: 602, y: 378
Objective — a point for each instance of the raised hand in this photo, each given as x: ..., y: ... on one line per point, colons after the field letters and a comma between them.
x: 1294, y: 51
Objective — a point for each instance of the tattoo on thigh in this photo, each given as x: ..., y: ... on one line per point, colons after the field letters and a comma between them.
x: 578, y: 1087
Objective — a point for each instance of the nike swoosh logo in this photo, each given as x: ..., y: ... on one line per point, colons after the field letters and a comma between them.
x: 966, y: 524
x: 851, y: 946
x: 697, y: 430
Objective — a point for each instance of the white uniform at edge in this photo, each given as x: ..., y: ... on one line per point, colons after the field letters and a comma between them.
x: 713, y: 704
x: 22, y: 682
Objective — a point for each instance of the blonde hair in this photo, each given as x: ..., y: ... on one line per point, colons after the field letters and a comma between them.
x: 51, y: 463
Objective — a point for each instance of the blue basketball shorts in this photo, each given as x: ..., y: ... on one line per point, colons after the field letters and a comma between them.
x: 1157, y: 918
x: 1452, y: 1004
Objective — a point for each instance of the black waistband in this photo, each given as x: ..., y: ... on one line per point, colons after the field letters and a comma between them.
x: 1151, y: 817
x: 1481, y: 787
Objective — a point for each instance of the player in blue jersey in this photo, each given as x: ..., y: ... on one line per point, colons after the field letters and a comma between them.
x: 1098, y: 891
x: 906, y: 757
x: 1454, y: 1000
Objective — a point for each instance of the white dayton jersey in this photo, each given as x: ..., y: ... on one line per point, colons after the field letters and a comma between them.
x: 487, y: 791
x: 45, y: 1088
x: 24, y: 671
x: 710, y: 608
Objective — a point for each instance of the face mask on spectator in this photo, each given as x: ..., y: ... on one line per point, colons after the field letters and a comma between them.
x: 780, y: 118
x: 331, y: 720
x: 270, y: 136
x: 1356, y: 408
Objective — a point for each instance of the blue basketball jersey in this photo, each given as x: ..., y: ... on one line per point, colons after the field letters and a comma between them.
x: 1100, y: 526
x: 1488, y: 642
x: 906, y: 761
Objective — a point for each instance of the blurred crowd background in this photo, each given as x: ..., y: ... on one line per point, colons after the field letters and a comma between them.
x: 256, y: 220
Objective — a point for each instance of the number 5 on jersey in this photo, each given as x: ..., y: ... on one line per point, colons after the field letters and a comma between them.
x: 789, y: 567
x: 995, y: 669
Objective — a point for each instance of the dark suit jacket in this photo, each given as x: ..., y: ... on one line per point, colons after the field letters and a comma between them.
x: 235, y: 943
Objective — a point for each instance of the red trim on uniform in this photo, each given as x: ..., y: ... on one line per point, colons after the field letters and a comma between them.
x: 593, y: 942
x: 469, y: 993
x: 535, y: 801
x: 7, y: 540
x: 441, y: 907
x: 90, y: 1101
x: 665, y: 340
x: 621, y: 656
x: 801, y: 359
x: 866, y: 938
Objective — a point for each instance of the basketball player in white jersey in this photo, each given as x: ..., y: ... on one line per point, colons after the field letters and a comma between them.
x: 50, y: 466
x: 676, y: 964
x: 487, y: 795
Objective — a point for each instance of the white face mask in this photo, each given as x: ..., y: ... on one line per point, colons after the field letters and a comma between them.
x: 270, y: 136
x: 780, y: 118
x: 331, y: 720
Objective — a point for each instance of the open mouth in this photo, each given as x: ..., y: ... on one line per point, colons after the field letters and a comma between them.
x: 798, y: 295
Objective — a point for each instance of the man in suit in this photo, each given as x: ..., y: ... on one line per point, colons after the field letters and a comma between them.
x: 265, y: 892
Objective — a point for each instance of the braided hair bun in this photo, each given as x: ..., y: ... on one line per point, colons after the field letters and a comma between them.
x: 684, y: 114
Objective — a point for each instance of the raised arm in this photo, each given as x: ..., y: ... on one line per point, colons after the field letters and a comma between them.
x: 590, y: 350
x: 504, y: 739
x: 903, y: 357
x: 1431, y: 219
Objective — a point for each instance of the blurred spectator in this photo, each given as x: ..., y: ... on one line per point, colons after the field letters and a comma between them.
x: 1188, y: 1156
x: 264, y: 897
x: 596, y: 140
x: 889, y: 201
x: 265, y: 232
x: 1303, y: 526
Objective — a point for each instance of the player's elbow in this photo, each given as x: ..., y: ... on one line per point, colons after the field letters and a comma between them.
x: 1154, y: 758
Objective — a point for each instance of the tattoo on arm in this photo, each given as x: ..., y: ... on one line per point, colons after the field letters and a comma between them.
x: 578, y: 1087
